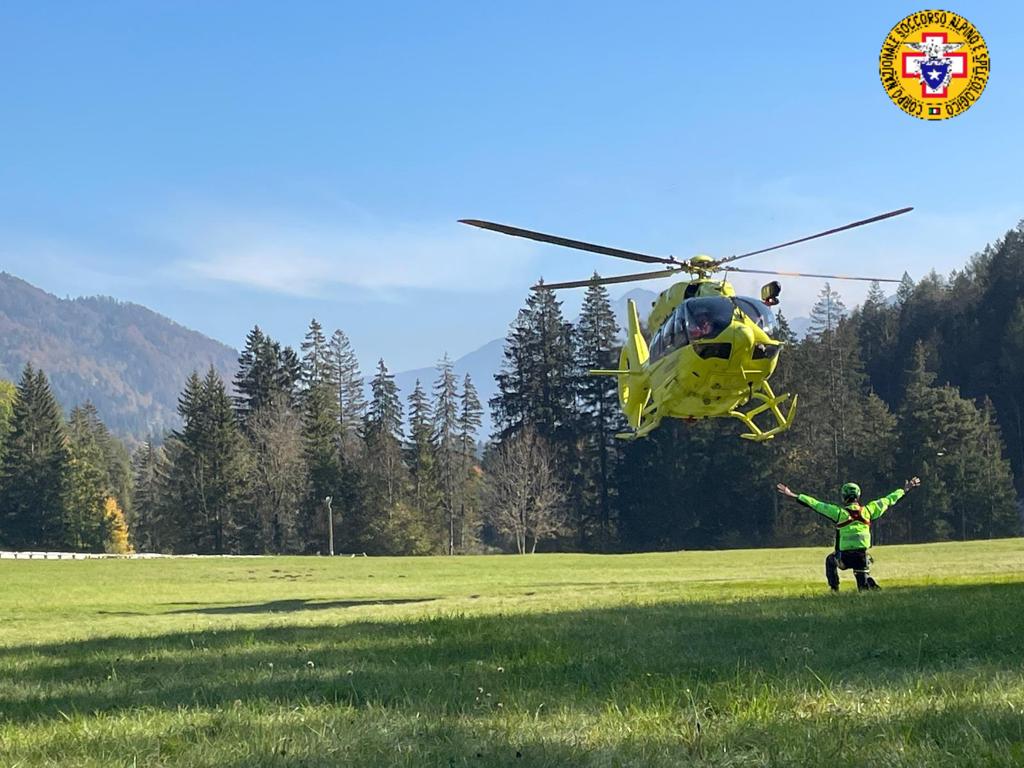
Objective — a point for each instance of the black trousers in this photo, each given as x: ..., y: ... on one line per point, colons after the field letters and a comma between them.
x: 858, y: 560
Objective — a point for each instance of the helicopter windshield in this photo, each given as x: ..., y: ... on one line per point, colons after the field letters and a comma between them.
x: 759, y: 312
x: 707, y: 317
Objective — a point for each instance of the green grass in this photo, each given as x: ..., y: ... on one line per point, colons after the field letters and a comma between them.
x: 702, y: 658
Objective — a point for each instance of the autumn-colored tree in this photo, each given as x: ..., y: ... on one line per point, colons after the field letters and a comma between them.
x: 115, y: 529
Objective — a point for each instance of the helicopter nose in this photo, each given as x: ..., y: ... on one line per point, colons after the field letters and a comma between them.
x: 742, y: 342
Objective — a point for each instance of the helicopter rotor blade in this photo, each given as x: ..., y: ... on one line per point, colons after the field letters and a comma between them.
x: 805, y: 274
x: 607, y: 280
x: 860, y: 223
x: 566, y: 242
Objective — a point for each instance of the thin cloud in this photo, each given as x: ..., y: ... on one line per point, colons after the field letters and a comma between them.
x: 307, y: 260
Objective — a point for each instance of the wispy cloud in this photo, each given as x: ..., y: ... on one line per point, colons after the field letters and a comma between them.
x: 309, y: 258
x: 63, y: 266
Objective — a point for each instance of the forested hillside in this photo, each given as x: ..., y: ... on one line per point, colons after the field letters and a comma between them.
x: 127, y: 360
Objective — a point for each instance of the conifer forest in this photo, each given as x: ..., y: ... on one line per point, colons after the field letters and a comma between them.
x: 292, y: 456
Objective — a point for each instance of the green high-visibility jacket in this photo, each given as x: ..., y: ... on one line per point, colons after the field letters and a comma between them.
x: 853, y: 521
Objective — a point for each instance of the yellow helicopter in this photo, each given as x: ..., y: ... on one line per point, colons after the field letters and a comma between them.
x: 710, y: 352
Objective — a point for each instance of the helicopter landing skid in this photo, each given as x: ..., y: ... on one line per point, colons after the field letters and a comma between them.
x: 645, y: 428
x: 769, y: 402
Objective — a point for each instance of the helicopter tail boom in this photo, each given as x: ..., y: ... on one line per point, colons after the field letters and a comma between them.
x: 634, y: 383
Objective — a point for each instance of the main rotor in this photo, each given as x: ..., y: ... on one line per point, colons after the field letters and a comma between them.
x: 700, y: 267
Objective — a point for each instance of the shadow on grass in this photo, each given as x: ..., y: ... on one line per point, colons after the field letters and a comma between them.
x: 711, y: 658
x: 274, y: 606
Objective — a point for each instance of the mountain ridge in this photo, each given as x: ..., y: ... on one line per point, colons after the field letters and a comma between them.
x: 128, y: 360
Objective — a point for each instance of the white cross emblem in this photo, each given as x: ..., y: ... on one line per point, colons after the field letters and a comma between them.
x: 934, y: 64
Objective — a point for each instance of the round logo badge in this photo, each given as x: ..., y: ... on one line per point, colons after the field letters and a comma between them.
x: 934, y: 64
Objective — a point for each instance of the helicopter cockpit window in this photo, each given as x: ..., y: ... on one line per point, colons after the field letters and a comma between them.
x: 707, y: 317
x: 759, y: 312
x: 677, y: 322
x: 656, y: 345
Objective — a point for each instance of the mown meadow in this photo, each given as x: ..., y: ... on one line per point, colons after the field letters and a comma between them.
x: 737, y: 658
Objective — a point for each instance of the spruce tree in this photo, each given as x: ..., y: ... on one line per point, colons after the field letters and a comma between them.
x: 87, y: 485
x: 827, y: 357
x: 321, y: 435
x: 210, y: 470
x: 421, y: 459
x: 250, y: 384
x: 322, y: 439
x: 1009, y: 391
x: 258, y: 379
x: 351, y: 400
x: 389, y: 527
x: 446, y: 410
x: 904, y: 291
x: 35, y: 468
x: 384, y: 431
x: 469, y: 421
x: 876, y: 325
x: 600, y: 418
x: 536, y: 383
x: 290, y: 375
x: 956, y: 449
x: 316, y: 360
x: 151, y: 522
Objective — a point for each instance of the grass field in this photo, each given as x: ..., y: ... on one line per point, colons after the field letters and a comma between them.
x: 691, y: 658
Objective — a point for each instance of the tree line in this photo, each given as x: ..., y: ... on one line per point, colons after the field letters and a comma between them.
x: 293, y: 456
x: 64, y: 484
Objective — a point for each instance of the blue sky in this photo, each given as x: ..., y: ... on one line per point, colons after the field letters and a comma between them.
x: 229, y: 164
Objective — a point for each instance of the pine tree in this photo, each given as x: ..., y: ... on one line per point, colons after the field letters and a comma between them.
x: 1009, y: 392
x: 316, y: 361
x: 351, y: 401
x: 446, y: 410
x: 469, y: 421
x: 322, y: 439
x: 599, y: 419
x: 421, y: 459
x: 321, y: 434
x: 384, y: 431
x: 35, y: 467
x: 957, y: 451
x: 87, y: 485
x: 876, y: 325
x: 784, y: 331
x: 249, y: 380
x: 471, y: 414
x: 827, y: 356
x: 151, y: 522
x: 905, y: 290
x: 535, y: 385
x: 265, y: 373
x: 210, y: 470
x: 290, y: 375
x: 389, y: 527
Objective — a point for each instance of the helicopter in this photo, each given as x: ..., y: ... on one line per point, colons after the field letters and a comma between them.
x: 709, y: 352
